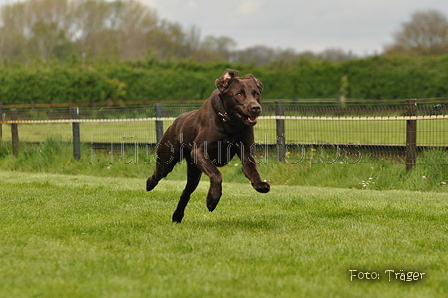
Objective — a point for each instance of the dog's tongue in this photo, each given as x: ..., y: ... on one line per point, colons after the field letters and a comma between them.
x: 251, y: 119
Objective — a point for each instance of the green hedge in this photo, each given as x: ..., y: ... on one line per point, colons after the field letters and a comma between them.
x: 371, y: 78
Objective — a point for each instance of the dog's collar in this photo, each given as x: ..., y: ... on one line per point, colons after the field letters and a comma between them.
x: 227, y: 119
x: 224, y: 117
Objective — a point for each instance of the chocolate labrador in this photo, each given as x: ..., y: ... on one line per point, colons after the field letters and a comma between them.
x: 209, y: 138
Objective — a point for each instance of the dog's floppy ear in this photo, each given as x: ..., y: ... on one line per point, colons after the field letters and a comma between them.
x: 257, y: 82
x: 223, y: 82
x: 259, y: 85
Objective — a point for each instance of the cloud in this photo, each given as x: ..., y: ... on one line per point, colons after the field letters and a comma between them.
x: 192, y: 4
x: 249, y: 7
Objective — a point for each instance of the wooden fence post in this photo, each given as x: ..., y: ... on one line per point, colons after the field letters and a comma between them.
x: 296, y: 102
x: 76, y: 135
x: 14, y: 133
x: 280, y: 123
x: 159, y: 123
x: 411, y: 135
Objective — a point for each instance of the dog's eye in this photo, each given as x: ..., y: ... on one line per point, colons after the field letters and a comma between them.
x: 239, y: 94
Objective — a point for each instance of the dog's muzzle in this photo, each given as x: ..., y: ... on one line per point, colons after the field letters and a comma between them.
x: 248, y: 120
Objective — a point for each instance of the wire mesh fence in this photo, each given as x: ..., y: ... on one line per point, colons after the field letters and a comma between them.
x: 289, y: 131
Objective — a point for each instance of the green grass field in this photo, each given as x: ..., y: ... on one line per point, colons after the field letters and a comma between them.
x: 88, y: 236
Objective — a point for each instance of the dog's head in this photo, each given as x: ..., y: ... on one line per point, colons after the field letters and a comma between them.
x: 240, y: 96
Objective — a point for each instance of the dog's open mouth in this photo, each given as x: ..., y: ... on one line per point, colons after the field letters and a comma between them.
x: 249, y: 120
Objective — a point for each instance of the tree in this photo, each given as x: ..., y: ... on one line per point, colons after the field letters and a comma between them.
x: 221, y: 47
x: 426, y: 34
x: 35, y: 28
x: 134, y: 22
x: 126, y: 29
x: 336, y: 55
x: 12, y: 40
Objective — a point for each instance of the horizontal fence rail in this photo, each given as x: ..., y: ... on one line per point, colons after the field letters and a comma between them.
x: 291, y: 132
x: 313, y: 118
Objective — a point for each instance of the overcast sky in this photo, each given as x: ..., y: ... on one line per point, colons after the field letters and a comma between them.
x: 363, y: 27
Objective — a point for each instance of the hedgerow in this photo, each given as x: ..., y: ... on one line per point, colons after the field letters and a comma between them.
x: 81, y: 81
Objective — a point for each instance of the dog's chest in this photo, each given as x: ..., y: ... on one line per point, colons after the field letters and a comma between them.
x: 227, y: 141
x: 222, y: 151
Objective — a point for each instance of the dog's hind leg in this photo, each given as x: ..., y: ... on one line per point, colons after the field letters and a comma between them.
x: 166, y: 160
x: 194, y: 176
x: 161, y: 171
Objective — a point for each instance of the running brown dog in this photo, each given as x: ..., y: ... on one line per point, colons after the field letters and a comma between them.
x: 209, y: 138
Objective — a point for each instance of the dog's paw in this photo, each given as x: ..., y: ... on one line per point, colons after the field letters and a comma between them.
x: 212, y: 203
x: 262, y: 187
x: 177, y: 216
x: 150, y: 184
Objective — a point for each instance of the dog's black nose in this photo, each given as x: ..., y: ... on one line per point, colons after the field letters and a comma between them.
x: 256, y: 108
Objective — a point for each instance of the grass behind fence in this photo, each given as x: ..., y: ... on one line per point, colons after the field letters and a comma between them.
x: 372, y: 132
x: 84, y: 236
x: 365, y: 132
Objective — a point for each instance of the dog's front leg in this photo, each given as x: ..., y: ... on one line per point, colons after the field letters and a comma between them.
x: 200, y: 156
x: 250, y: 169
